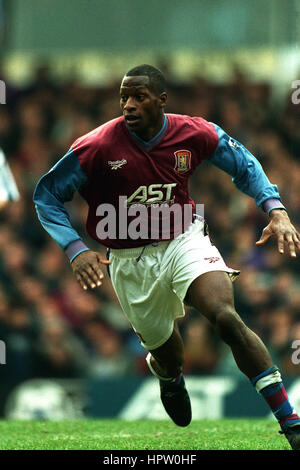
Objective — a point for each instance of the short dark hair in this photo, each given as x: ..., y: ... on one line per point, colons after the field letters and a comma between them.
x: 156, y: 77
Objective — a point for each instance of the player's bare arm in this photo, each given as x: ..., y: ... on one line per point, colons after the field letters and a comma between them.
x: 281, y: 227
x: 86, y: 268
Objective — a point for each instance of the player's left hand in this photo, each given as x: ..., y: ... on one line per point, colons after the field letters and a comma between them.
x: 281, y: 227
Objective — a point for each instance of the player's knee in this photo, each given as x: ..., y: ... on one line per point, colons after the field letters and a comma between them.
x: 229, y: 326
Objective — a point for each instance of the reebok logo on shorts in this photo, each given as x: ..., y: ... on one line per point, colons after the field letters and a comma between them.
x: 212, y: 259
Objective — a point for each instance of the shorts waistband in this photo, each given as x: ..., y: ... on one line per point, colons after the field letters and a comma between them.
x: 146, y: 249
x: 135, y: 252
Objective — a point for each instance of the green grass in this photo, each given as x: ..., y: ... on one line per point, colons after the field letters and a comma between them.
x: 225, y: 434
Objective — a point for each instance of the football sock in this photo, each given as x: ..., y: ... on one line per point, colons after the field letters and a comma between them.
x: 270, y: 386
x: 175, y: 380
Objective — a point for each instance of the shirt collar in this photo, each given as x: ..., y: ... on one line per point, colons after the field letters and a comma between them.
x: 148, y: 145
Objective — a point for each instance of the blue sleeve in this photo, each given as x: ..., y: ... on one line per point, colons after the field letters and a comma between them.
x: 246, y: 171
x: 54, y: 189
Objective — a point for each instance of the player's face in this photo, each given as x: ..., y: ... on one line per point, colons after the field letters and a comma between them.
x: 142, y: 108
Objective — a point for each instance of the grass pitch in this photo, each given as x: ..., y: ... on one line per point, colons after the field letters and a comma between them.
x: 225, y: 434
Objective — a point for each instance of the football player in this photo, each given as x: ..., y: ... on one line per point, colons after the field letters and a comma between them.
x: 142, y: 161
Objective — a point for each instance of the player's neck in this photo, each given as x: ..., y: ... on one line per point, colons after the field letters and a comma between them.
x: 152, y: 132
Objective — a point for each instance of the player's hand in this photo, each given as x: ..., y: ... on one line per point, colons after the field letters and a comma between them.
x: 86, y: 268
x: 286, y: 234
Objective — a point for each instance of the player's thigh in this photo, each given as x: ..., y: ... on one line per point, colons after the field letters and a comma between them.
x: 211, y: 294
x: 172, y: 351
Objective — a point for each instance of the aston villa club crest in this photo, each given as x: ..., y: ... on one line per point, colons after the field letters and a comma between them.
x: 183, y: 159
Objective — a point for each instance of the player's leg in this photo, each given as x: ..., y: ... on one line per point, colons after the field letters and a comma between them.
x: 166, y: 363
x: 212, y: 294
x: 168, y: 360
x: 151, y: 307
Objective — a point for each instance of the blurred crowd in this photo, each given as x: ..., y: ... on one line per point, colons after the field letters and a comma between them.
x: 51, y: 327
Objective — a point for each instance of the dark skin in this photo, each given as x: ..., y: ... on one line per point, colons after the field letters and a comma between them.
x: 142, y: 107
x: 211, y: 293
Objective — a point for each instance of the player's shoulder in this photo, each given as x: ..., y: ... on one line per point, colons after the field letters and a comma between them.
x: 193, y: 123
x: 99, y: 136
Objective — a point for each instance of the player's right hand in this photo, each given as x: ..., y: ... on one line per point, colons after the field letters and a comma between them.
x: 86, y: 268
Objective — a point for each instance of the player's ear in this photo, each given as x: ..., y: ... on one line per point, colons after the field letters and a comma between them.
x: 163, y: 99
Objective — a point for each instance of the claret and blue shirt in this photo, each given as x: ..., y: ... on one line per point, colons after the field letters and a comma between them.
x: 111, y: 161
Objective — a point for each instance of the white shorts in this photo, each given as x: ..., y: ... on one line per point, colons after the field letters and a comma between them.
x: 151, y: 290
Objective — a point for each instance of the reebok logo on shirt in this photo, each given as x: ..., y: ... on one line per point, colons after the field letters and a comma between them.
x: 115, y: 165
